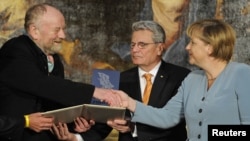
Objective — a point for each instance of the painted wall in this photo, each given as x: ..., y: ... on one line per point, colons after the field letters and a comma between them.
x: 102, y: 28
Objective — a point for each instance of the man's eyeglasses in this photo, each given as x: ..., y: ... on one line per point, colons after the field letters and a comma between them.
x: 140, y: 45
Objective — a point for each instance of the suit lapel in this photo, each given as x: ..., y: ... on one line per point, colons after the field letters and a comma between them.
x: 131, y: 84
x: 137, y: 88
x: 158, y: 85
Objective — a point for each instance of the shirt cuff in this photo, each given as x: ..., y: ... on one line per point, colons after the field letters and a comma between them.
x: 79, y: 137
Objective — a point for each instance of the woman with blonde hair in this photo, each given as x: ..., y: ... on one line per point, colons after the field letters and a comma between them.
x: 215, y: 94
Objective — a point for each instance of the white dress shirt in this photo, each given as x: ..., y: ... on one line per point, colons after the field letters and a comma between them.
x: 143, y: 84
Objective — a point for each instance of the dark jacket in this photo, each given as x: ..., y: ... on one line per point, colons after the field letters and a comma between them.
x: 166, y: 83
x: 10, y: 125
x: 26, y: 86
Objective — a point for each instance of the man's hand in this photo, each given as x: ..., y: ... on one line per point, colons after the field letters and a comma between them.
x: 108, y: 96
x: 82, y: 125
x: 38, y: 123
x: 62, y: 133
x: 126, y: 101
x: 120, y: 125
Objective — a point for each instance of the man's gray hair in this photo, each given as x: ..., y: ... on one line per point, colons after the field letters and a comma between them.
x: 157, y: 30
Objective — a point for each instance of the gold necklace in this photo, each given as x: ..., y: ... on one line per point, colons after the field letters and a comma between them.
x: 210, y: 82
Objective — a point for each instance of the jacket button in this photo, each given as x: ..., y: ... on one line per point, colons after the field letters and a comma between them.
x: 199, y: 136
x: 200, y: 110
x: 203, y: 98
x: 200, y: 123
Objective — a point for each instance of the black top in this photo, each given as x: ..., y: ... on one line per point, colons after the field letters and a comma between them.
x: 26, y: 86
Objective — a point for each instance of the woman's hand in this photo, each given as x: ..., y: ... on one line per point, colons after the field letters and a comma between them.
x: 126, y: 101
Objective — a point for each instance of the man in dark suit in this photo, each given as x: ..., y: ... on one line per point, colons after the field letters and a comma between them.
x: 147, y: 47
x: 32, y: 75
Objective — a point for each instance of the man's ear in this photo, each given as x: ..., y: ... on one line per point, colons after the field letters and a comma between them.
x: 33, y: 32
x: 161, y: 48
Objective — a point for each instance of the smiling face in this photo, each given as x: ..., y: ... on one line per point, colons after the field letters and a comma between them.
x: 48, y: 31
x: 210, y: 39
x: 148, y: 55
